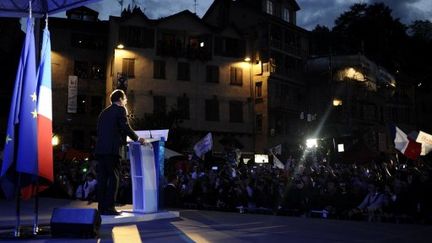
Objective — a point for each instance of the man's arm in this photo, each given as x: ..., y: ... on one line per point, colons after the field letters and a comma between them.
x: 124, y: 125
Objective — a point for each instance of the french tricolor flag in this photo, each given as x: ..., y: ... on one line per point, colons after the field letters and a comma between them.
x: 44, y: 108
x: 407, y: 146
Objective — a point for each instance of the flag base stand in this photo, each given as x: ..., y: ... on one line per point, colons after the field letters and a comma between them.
x: 26, y: 232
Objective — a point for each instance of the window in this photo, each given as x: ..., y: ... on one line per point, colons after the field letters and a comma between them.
x: 81, y: 104
x: 97, y: 71
x: 78, y: 136
x: 86, y: 70
x: 212, y: 74
x: 159, y: 104
x: 81, y: 69
x: 159, y: 69
x: 212, y: 110
x: 259, y: 122
x: 236, y: 111
x: 85, y: 41
x: 96, y: 104
x: 183, y: 71
x: 269, y: 7
x: 258, y: 90
x: 285, y: 14
x: 236, y: 76
x: 229, y: 47
x: 134, y: 36
x: 128, y: 67
x: 183, y: 107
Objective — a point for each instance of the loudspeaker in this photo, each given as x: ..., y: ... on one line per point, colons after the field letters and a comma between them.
x: 75, y: 222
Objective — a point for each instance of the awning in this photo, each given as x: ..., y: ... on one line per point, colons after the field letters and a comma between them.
x: 20, y: 8
x: 170, y: 153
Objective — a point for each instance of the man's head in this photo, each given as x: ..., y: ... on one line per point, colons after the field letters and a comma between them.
x: 119, y: 97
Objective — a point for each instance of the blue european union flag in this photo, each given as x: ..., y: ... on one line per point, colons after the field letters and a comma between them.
x: 20, y: 152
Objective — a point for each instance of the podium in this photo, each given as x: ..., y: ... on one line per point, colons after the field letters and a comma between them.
x: 146, y: 170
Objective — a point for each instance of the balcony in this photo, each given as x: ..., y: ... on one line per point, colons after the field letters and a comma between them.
x: 179, y: 50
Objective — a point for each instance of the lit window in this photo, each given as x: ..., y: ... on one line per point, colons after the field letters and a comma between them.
x: 285, y: 14
x: 236, y: 76
x: 269, y: 7
x: 337, y: 102
x: 128, y: 67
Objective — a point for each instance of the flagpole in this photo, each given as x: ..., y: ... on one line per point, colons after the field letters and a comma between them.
x: 36, y: 209
x: 17, y: 232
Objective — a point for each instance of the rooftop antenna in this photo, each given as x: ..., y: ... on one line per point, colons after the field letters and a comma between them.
x: 195, y: 6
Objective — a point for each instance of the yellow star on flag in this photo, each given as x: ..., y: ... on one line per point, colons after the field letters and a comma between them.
x: 34, y: 113
x: 8, y: 139
x: 33, y: 96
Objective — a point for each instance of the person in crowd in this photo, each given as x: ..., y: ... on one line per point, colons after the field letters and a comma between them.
x: 171, y: 193
x: 87, y: 190
x: 373, y: 203
x: 112, y: 129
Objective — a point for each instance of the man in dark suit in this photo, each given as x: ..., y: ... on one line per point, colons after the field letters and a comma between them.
x: 170, y: 192
x: 112, y: 129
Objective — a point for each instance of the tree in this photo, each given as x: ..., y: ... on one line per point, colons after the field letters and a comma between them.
x: 372, y: 30
x: 421, y: 30
x: 321, y: 40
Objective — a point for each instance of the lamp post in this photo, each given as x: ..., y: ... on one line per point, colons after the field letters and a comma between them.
x: 251, y: 101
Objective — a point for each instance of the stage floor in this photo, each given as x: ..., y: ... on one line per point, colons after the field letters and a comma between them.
x: 46, y: 206
x: 212, y: 226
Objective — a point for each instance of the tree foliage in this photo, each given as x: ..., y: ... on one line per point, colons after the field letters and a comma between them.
x: 374, y: 32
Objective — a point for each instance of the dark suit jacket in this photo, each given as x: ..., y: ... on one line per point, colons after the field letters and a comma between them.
x: 171, y: 197
x: 112, y: 129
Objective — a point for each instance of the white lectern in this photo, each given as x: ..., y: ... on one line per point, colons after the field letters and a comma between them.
x: 145, y: 176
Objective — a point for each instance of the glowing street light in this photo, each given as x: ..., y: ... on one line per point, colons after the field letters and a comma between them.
x: 311, y: 143
x: 120, y: 46
x: 337, y: 102
x: 55, y: 140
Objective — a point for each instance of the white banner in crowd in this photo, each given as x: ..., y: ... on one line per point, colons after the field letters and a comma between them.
x: 277, y: 149
x: 204, y: 145
x: 426, y: 141
x: 401, y: 140
x: 277, y: 163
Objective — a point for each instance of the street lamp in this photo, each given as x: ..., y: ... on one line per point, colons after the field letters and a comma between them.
x: 251, y: 96
x: 55, y: 140
x: 337, y: 102
x: 311, y: 143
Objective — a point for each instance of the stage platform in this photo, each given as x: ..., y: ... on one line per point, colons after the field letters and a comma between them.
x: 226, y: 227
x: 46, y: 206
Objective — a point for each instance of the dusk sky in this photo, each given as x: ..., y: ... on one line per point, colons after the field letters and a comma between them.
x: 312, y: 12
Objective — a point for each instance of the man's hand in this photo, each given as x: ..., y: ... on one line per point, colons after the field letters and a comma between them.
x: 142, y: 140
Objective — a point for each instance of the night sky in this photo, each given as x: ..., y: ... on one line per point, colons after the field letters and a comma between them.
x: 312, y: 12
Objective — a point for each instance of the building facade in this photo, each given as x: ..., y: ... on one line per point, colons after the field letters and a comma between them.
x: 78, y: 75
x: 351, y: 102
x: 278, y: 50
x: 180, y: 63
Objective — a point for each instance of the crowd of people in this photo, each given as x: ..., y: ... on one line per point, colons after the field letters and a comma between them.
x: 392, y: 191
